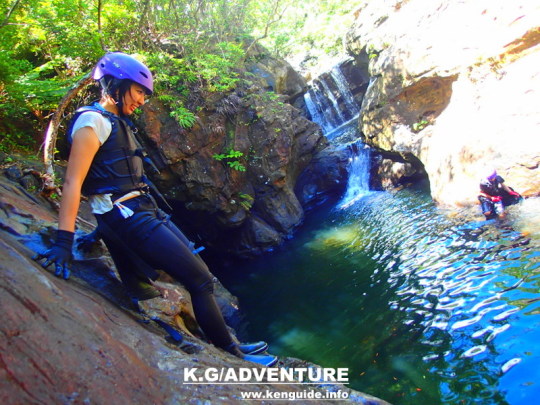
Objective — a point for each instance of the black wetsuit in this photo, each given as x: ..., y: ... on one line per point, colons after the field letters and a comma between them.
x: 150, y: 233
x: 146, y: 239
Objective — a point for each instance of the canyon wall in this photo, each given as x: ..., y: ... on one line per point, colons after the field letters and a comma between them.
x: 454, y: 91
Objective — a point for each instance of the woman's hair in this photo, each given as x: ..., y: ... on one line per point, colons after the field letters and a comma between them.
x: 116, y: 89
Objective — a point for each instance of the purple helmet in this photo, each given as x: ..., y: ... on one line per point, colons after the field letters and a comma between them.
x: 492, y: 175
x: 122, y: 66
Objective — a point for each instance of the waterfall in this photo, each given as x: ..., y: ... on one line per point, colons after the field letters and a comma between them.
x: 337, y: 111
x: 330, y: 102
x: 332, y: 105
x: 358, y: 183
x: 314, y: 107
x: 341, y: 82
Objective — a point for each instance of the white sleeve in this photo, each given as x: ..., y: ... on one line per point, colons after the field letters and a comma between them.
x: 96, y: 121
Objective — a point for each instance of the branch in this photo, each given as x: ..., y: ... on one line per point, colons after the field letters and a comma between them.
x: 10, y: 12
x: 52, y: 130
x: 143, y: 20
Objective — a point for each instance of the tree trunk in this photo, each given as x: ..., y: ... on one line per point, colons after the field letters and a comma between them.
x: 52, y: 129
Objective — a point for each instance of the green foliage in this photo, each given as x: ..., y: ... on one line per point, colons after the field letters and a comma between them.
x: 184, y: 117
x: 16, y: 141
x: 218, y: 70
x: 231, y: 158
x: 246, y: 201
x: 39, y: 92
x: 270, y: 96
x: 372, y: 52
x: 310, y: 30
x: 420, y: 125
x: 214, y: 72
x: 47, y: 45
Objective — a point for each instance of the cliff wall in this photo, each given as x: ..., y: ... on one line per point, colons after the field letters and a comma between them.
x: 454, y: 90
x: 252, y: 196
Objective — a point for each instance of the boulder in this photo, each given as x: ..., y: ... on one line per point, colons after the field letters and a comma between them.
x: 275, y: 74
x: 325, y: 178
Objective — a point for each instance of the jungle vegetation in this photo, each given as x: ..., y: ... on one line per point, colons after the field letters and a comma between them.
x: 46, y: 46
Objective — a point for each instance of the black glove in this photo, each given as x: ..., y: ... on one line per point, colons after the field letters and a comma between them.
x: 59, y: 253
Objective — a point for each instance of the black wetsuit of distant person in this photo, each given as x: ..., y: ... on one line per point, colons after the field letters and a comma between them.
x: 106, y: 164
x: 495, y: 195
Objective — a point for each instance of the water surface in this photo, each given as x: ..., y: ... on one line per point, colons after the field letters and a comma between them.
x: 421, y: 307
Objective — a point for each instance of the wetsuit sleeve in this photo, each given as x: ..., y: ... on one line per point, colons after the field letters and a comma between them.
x: 96, y: 121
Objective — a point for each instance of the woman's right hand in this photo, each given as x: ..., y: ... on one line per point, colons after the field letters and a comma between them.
x: 88, y: 241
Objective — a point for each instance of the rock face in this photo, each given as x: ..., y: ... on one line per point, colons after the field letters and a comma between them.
x: 454, y: 90
x: 277, y: 75
x: 78, y: 341
x: 248, y: 194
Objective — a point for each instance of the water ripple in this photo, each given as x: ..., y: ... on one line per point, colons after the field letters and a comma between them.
x: 466, y: 322
x: 474, y: 351
x: 509, y: 364
x: 496, y: 331
x: 505, y: 314
x: 437, y: 294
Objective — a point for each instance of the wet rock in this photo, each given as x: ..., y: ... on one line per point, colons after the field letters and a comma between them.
x: 80, y: 340
x: 13, y: 173
x: 325, y: 178
x: 30, y: 182
x: 275, y: 74
x: 394, y: 170
x: 249, y: 192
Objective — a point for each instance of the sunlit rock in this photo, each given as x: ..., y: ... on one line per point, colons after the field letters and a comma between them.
x: 456, y: 86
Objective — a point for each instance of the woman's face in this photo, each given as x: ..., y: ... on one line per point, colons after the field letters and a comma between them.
x: 133, y: 99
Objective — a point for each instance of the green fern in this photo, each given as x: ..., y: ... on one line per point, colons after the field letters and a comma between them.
x: 231, y: 158
x: 184, y: 117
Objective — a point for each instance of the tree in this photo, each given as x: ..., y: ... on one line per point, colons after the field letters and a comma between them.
x: 272, y: 15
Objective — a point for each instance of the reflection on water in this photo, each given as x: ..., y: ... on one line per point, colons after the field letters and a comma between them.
x: 421, y: 309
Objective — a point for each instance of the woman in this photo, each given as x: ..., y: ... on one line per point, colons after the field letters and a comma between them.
x: 106, y: 165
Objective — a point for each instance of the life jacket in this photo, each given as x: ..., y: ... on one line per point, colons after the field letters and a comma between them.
x: 117, y: 167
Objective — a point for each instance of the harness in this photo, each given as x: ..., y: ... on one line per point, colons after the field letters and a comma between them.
x: 117, y: 167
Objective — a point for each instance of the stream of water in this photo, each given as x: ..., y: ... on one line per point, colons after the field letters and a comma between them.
x: 421, y: 308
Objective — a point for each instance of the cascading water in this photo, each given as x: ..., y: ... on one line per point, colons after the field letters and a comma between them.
x: 316, y: 111
x: 338, y: 122
x: 358, y: 183
x: 341, y: 82
x: 330, y: 102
